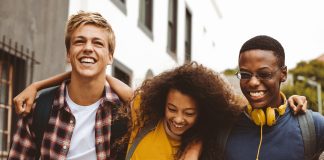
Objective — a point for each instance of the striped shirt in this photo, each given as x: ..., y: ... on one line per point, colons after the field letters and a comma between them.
x: 58, y: 133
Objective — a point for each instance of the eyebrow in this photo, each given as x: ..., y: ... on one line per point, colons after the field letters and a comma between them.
x: 184, y: 108
x: 262, y: 68
x: 82, y: 37
x: 171, y: 104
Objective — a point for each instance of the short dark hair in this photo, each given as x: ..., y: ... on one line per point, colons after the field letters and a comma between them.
x: 264, y: 42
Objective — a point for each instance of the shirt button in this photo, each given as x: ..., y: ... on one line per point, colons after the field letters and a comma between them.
x: 64, y: 147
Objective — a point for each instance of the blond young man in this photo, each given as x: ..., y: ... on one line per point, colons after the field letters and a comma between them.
x: 84, y: 107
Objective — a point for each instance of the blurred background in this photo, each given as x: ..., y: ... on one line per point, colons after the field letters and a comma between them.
x: 154, y: 36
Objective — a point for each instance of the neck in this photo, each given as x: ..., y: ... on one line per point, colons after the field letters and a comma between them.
x: 85, y: 91
x: 169, y: 133
x: 281, y: 100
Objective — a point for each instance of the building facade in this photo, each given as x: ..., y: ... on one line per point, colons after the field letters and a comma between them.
x: 31, y: 48
x: 153, y: 36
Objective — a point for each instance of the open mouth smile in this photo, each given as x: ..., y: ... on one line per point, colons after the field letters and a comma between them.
x: 177, y: 125
x: 87, y: 60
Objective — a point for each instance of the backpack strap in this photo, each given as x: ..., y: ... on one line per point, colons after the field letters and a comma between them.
x: 41, y: 115
x: 140, y: 135
x: 307, y: 127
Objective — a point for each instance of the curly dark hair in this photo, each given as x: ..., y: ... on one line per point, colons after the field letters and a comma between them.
x: 264, y: 42
x: 216, y: 104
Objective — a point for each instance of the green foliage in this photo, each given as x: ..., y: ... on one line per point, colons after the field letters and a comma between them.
x: 313, y: 70
x: 229, y: 72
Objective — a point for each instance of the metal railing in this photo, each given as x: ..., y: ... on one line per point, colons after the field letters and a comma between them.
x: 16, y: 60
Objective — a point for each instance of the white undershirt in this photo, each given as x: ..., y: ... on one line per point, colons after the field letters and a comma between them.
x: 82, y: 145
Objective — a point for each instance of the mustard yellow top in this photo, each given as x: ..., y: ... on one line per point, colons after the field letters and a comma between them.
x: 156, y: 145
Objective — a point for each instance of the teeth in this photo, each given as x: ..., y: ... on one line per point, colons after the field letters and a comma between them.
x: 257, y: 94
x: 87, y: 60
x: 177, y: 125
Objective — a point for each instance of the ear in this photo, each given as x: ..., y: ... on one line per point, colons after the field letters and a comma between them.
x: 284, y: 73
x: 110, y: 59
x: 68, y: 57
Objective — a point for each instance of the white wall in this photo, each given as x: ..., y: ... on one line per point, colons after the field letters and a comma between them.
x: 137, y: 51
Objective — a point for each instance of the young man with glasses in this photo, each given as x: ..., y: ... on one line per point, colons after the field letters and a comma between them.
x: 267, y: 129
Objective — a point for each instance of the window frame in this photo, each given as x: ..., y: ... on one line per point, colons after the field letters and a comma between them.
x: 6, y: 105
x: 145, y: 17
x: 117, y: 64
x: 172, y: 29
x: 188, y: 36
x: 121, y: 5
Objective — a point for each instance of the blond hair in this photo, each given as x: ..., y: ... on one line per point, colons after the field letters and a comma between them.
x: 94, y: 18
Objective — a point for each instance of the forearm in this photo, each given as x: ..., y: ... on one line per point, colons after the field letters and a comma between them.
x: 52, y: 81
x: 122, y: 89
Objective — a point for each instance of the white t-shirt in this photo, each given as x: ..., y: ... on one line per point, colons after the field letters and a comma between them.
x: 82, y: 145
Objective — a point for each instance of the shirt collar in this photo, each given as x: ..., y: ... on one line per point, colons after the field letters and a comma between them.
x: 108, y: 96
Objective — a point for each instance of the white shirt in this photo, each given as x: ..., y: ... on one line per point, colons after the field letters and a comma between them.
x: 82, y: 145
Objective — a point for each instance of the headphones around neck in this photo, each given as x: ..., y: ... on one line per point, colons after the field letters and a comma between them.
x: 260, y: 118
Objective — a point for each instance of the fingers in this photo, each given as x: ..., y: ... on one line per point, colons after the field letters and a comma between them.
x: 304, y: 108
x: 24, y: 101
x: 19, y: 108
x: 292, y: 105
x: 23, y: 105
x: 28, y: 107
x: 301, y: 104
x: 298, y: 104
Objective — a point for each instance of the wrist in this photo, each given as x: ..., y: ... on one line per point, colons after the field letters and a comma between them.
x: 36, y: 86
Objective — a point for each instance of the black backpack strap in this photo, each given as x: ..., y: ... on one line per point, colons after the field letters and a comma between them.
x: 307, y: 127
x: 140, y: 135
x: 41, y: 115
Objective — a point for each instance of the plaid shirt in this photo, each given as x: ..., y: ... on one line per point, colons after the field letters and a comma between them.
x: 58, y: 133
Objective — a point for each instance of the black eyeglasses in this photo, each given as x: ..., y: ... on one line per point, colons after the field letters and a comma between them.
x: 261, y: 75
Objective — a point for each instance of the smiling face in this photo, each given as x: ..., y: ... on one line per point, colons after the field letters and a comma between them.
x: 261, y: 93
x: 180, y: 112
x: 88, y: 52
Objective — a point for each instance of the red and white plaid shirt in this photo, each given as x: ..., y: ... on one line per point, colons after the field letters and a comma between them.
x: 58, y: 133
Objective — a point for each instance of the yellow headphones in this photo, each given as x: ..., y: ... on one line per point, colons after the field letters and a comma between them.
x: 260, y: 118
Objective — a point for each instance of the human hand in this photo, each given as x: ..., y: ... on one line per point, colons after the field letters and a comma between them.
x: 24, y: 100
x: 298, y: 103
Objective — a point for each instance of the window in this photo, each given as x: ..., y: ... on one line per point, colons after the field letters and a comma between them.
x: 121, y: 4
x: 146, y: 17
x: 6, y: 71
x: 122, y: 72
x: 124, y: 77
x: 172, y: 28
x: 16, y: 64
x: 149, y: 74
x: 188, y: 37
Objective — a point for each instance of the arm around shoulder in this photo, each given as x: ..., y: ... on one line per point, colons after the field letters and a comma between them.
x: 123, y: 90
x: 24, y: 100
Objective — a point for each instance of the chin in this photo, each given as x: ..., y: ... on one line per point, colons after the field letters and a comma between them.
x: 178, y: 133
x: 88, y: 73
x: 258, y: 105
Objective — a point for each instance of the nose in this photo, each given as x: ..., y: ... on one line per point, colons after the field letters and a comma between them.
x: 88, y: 48
x: 179, y: 119
x: 254, y: 81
